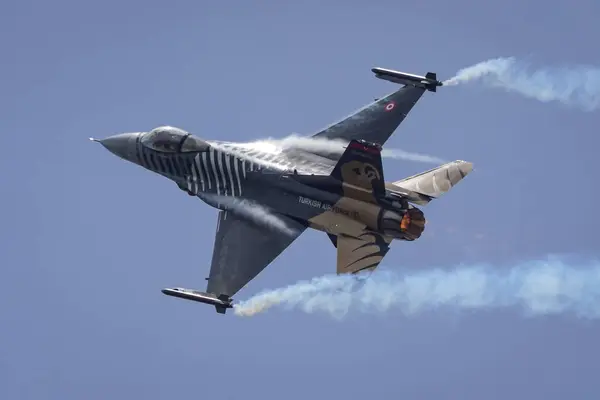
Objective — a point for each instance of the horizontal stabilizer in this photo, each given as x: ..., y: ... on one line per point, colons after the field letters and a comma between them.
x: 429, y: 185
x: 362, y: 253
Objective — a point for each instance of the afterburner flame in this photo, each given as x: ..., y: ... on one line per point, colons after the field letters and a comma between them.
x: 413, y: 223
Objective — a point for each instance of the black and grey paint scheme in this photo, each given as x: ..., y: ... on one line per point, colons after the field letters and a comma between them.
x: 342, y: 193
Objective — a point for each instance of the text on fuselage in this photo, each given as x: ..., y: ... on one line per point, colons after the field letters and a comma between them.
x: 327, y: 207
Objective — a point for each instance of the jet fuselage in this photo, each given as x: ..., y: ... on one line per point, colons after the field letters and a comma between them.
x: 217, y: 170
x: 335, y: 184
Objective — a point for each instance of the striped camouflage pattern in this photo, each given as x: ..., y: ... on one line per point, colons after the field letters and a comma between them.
x: 267, y: 198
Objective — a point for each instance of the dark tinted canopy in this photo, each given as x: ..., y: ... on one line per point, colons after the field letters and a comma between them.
x: 172, y: 140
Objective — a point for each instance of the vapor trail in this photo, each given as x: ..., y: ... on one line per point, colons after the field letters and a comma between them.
x: 577, y: 85
x: 334, y: 146
x: 405, y: 155
x: 251, y: 210
x: 538, y: 288
x: 310, y: 143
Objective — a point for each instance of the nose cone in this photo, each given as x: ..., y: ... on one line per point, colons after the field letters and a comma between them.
x: 122, y: 145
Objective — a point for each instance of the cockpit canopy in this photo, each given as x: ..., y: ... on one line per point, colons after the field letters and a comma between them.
x: 168, y: 139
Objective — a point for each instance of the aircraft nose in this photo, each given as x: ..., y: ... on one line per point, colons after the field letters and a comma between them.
x: 122, y: 145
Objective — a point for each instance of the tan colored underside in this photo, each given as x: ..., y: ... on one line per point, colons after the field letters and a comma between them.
x: 358, y: 247
x: 357, y: 244
x: 338, y: 223
x: 364, y: 254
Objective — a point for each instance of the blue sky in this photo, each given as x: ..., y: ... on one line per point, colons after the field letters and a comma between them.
x: 88, y: 240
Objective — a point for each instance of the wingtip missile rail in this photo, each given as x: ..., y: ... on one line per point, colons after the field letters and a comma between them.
x: 429, y: 81
x: 220, y: 304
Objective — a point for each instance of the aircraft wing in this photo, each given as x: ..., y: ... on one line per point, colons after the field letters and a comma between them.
x: 362, y: 253
x: 376, y: 121
x: 243, y: 249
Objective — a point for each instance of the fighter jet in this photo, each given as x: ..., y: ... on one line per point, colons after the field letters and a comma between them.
x: 341, y: 193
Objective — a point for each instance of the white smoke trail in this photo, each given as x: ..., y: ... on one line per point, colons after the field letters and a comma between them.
x: 335, y: 146
x: 577, y: 85
x: 538, y: 287
x: 251, y: 210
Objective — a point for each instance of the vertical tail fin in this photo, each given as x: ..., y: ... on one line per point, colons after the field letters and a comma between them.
x: 361, y: 171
